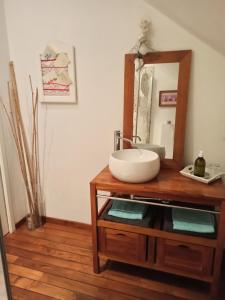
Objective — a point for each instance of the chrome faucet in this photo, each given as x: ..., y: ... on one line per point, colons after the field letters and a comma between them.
x: 118, y: 137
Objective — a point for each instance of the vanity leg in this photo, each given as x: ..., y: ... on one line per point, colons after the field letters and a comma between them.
x: 94, y: 216
x: 218, y: 253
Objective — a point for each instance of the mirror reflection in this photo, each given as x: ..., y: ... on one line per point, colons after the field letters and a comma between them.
x: 155, y: 99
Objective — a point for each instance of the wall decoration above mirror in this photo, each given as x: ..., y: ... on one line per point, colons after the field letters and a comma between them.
x: 155, y: 102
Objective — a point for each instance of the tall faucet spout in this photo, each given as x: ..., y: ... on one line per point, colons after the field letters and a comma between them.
x: 127, y: 140
x: 118, y: 137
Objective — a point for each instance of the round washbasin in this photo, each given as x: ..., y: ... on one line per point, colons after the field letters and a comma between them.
x: 134, y: 165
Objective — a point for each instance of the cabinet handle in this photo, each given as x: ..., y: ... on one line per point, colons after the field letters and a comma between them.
x: 121, y: 234
x: 184, y: 246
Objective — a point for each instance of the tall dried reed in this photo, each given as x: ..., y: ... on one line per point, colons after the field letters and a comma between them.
x: 28, y: 153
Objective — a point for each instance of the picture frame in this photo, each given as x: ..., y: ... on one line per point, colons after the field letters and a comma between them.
x: 57, y: 73
x: 168, y: 98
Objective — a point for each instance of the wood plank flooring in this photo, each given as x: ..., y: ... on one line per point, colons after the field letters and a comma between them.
x: 55, y: 262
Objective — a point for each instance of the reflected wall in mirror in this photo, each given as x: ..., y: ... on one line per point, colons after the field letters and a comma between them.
x: 155, y: 93
x: 156, y: 90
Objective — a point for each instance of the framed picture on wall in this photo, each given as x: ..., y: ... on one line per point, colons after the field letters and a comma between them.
x: 168, y: 98
x: 58, y: 84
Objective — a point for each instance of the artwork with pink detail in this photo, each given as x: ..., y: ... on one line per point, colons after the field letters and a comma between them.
x: 58, y: 74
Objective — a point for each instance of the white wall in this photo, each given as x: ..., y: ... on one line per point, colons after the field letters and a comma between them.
x: 12, y: 171
x: 77, y: 139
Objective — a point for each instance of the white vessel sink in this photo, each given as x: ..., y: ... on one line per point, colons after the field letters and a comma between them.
x: 134, y: 165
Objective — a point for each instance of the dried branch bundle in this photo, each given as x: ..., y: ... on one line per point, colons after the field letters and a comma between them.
x: 28, y: 156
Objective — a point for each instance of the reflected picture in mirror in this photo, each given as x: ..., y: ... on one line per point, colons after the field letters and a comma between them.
x: 168, y: 98
x: 155, y: 91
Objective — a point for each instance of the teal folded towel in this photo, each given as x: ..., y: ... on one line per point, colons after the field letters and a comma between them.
x: 128, y: 210
x: 195, y: 221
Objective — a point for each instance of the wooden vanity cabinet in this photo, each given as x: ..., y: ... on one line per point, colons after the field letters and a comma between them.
x: 152, y: 247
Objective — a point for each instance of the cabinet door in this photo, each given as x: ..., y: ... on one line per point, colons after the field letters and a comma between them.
x: 122, y: 244
x: 184, y: 256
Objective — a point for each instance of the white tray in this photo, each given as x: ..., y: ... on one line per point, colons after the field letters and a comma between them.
x: 188, y: 171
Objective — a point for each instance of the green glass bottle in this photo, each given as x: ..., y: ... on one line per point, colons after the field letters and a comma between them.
x: 199, y: 166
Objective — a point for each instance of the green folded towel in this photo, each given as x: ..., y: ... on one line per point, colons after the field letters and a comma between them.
x: 128, y: 210
x: 194, y: 221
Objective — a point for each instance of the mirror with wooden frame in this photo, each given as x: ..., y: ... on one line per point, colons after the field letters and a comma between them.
x: 155, y: 103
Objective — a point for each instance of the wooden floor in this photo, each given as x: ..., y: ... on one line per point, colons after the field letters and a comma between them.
x: 55, y: 262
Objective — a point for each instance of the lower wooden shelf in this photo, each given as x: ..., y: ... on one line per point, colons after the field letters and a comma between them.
x: 156, y: 267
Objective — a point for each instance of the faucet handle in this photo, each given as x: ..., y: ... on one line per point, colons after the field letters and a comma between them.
x: 117, y: 137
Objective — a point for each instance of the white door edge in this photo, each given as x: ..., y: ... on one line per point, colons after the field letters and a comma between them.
x: 8, y: 205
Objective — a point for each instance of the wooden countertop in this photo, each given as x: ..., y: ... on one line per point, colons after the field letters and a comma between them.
x: 169, y: 184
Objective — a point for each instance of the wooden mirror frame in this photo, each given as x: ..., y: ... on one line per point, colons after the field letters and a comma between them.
x: 183, y: 57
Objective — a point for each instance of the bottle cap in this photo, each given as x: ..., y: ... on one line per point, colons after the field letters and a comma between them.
x: 200, y: 154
